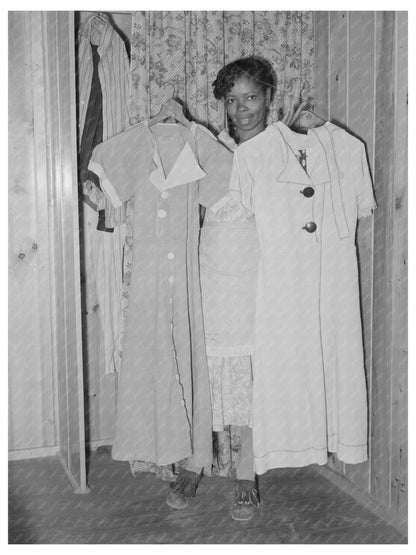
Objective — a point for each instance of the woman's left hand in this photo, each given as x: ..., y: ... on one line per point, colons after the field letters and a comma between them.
x: 291, y: 115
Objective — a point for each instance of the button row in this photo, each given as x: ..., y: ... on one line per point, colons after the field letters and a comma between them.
x: 308, y: 192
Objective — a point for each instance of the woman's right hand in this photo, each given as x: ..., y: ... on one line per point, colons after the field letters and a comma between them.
x: 231, y: 198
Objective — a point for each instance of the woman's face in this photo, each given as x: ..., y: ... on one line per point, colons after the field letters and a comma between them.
x: 246, y: 104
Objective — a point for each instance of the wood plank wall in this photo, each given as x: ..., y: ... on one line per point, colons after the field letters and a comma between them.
x: 360, y: 83
x: 32, y: 410
x: 46, y: 413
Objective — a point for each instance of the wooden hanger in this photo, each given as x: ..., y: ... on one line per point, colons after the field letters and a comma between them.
x: 102, y: 17
x: 98, y: 22
x: 170, y: 109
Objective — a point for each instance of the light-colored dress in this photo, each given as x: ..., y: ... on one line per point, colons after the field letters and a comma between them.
x: 163, y: 406
x: 309, y: 388
x: 229, y: 255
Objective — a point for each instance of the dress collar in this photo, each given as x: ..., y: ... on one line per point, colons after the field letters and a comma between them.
x: 186, y: 168
x: 322, y: 135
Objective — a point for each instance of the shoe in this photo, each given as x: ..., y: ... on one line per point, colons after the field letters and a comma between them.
x: 177, y: 500
x: 183, y: 489
x: 246, y: 500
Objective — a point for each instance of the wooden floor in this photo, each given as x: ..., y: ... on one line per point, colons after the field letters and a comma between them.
x: 299, y: 506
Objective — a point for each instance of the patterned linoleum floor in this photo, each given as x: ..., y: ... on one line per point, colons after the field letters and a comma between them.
x: 299, y: 506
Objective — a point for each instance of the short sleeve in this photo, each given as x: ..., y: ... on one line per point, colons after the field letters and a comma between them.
x: 242, y: 180
x: 116, y: 164
x: 365, y: 196
x: 216, y: 160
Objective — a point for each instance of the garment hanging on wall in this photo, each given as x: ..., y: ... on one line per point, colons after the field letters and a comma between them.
x: 104, y: 84
x: 309, y: 390
x: 163, y: 408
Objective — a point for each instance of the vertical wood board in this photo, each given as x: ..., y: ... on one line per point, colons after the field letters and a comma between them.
x: 31, y: 406
x: 399, y: 486
x: 361, y: 108
x: 321, y: 64
x: 338, y: 67
x: 337, y: 98
x: 383, y: 253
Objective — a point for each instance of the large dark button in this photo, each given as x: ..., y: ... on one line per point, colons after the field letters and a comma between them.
x: 310, y: 227
x: 308, y: 192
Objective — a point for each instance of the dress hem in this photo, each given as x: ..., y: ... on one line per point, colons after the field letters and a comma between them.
x: 290, y: 459
x: 348, y: 454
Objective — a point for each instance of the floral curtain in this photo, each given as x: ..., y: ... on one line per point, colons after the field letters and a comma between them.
x: 179, y: 54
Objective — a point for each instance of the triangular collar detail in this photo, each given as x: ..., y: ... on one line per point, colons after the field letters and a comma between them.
x: 185, y: 169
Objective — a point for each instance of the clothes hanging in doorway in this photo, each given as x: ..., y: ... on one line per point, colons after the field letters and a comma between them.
x: 103, y: 89
x: 163, y: 408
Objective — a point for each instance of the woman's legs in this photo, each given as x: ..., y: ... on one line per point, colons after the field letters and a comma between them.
x: 184, y: 487
x: 246, y: 498
x: 245, y: 466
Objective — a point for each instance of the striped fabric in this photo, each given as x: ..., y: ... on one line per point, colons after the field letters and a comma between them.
x: 103, y: 251
x: 113, y: 70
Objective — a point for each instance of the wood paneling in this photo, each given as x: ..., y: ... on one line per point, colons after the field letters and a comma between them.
x: 360, y: 119
x: 383, y: 256
x: 366, y: 60
x: 337, y: 97
x: 338, y: 66
x: 399, y: 426
x: 47, y: 400
x: 31, y: 388
x: 321, y: 69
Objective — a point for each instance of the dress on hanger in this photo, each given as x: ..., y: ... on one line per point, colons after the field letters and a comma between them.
x: 163, y: 409
x: 309, y: 388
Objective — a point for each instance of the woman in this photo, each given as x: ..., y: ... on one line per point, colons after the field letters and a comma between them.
x: 306, y: 192
x: 229, y: 254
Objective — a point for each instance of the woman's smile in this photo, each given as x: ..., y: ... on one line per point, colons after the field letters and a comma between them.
x: 246, y: 105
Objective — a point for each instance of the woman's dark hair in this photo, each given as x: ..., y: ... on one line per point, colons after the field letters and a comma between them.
x: 253, y: 67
